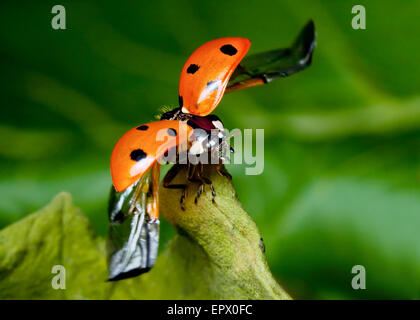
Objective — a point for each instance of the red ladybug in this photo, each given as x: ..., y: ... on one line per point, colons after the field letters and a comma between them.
x: 216, y: 67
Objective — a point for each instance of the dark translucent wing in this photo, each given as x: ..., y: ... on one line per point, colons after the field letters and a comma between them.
x: 133, y: 237
x: 267, y: 66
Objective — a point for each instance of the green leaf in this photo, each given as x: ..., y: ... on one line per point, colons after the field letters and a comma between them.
x: 56, y: 235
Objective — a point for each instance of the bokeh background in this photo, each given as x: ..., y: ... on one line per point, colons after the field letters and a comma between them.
x: 341, y: 185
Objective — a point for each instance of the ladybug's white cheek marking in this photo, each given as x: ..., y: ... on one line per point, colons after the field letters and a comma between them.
x: 141, y: 166
x: 197, y: 146
x: 218, y: 125
x: 184, y: 110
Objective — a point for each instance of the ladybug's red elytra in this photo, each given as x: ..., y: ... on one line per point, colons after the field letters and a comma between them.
x: 206, y: 74
x: 216, y: 67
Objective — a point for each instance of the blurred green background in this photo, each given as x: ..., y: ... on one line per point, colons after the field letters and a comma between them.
x: 341, y: 184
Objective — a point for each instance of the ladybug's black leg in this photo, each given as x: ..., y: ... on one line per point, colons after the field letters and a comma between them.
x: 190, y: 171
x: 194, y: 176
x: 169, y: 177
x: 204, y: 180
x: 208, y: 181
x: 213, y: 192
x: 222, y: 172
x: 199, y: 192
x: 183, y: 187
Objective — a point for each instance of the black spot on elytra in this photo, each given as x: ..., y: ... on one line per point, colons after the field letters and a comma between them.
x: 137, y: 155
x: 143, y: 128
x: 181, y: 101
x: 228, y: 49
x: 172, y: 132
x: 192, y: 68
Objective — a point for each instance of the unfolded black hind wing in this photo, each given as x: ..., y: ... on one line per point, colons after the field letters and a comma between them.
x: 133, y: 237
x: 267, y: 66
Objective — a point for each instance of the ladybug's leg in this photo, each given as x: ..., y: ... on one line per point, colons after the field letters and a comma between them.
x: 190, y: 171
x: 213, y: 192
x: 194, y: 176
x: 204, y: 180
x: 169, y: 177
x: 199, y: 192
x: 222, y: 172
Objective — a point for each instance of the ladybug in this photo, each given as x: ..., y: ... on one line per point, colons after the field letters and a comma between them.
x: 216, y: 67
x: 219, y: 66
